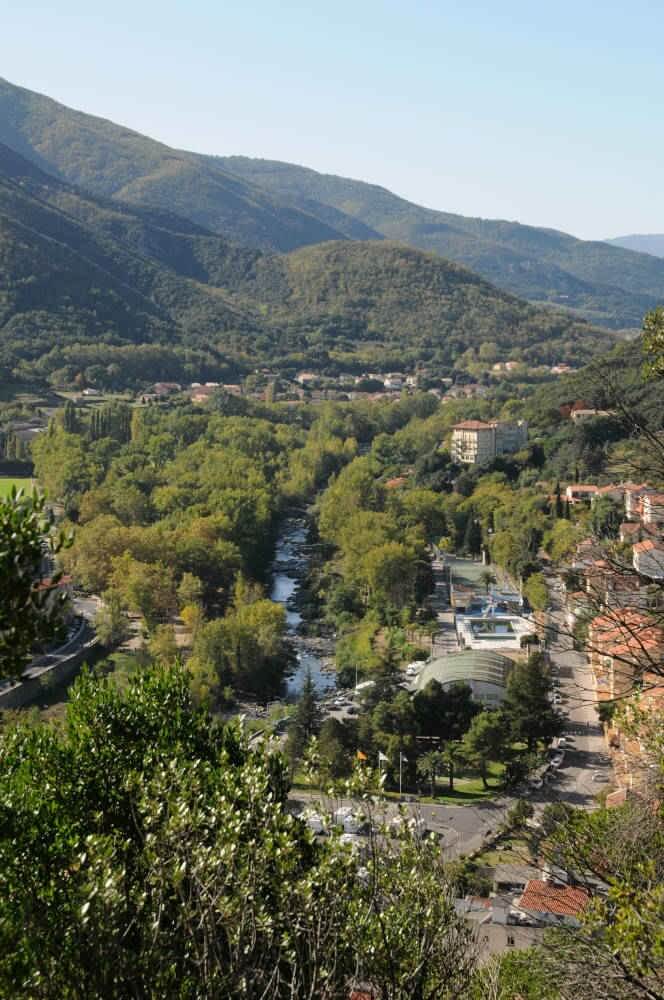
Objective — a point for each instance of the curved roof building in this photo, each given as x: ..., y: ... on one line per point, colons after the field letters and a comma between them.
x: 485, y: 673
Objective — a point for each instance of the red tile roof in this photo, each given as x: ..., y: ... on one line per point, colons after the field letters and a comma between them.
x: 648, y: 546
x: 472, y: 425
x: 542, y: 897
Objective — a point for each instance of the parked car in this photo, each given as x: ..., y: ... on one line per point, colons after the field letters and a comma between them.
x: 315, y: 822
x: 536, y: 782
x: 558, y: 759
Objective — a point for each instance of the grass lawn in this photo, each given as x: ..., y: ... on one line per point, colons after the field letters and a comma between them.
x: 515, y: 852
x: 469, y: 789
x: 7, y: 482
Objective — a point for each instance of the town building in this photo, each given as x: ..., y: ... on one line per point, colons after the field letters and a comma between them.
x: 648, y: 559
x: 652, y: 508
x: 475, y: 442
x: 485, y: 673
x: 548, y: 903
x: 621, y: 646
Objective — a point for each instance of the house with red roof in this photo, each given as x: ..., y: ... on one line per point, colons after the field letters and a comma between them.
x: 551, y: 903
x: 622, y: 646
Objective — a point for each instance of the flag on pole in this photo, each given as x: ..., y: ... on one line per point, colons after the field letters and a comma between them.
x: 382, y: 759
x: 361, y: 756
x: 403, y: 758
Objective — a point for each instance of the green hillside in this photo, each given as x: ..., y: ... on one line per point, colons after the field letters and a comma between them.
x: 388, y: 293
x: 82, y: 270
x: 72, y: 270
x: 606, y: 284
x: 280, y: 207
x: 110, y: 160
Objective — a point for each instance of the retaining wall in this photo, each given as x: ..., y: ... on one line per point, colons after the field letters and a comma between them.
x: 61, y: 673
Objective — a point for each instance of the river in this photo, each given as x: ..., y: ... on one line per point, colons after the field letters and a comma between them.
x: 289, y: 568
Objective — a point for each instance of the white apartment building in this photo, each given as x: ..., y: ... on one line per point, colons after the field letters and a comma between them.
x: 653, y: 508
x: 475, y: 442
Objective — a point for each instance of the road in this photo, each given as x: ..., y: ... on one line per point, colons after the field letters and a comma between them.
x: 80, y: 631
x: 588, y: 756
x: 463, y: 829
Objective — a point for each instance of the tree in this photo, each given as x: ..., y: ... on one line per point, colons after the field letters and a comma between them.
x: 536, y: 591
x: 190, y: 590
x: 70, y: 421
x: 558, y: 503
x: 472, y: 539
x: 653, y: 341
x: 193, y: 619
x: 488, y: 579
x: 486, y: 740
x: 451, y: 756
x: 334, y: 748
x: 527, y: 706
x: 445, y: 713
x: 520, y: 974
x: 428, y: 766
x: 389, y: 573
x: 32, y: 604
x: 146, y: 851
x: 146, y: 588
x: 111, y: 623
x: 305, y: 721
x: 162, y: 646
x: 605, y: 517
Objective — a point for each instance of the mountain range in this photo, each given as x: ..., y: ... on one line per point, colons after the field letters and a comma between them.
x: 109, y: 237
x: 77, y: 268
x: 652, y: 243
x: 280, y: 207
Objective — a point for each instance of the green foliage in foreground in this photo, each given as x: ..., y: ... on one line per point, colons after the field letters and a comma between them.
x: 144, y: 852
x: 31, y: 614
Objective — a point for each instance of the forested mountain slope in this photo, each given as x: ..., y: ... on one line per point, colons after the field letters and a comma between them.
x: 73, y: 269
x: 108, y: 159
x: 278, y: 206
x: 78, y: 268
x: 385, y: 292
x: 607, y: 284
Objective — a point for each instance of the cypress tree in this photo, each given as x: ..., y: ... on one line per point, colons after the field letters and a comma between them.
x: 558, y: 510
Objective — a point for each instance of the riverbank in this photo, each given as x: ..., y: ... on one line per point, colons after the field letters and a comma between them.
x: 314, y: 653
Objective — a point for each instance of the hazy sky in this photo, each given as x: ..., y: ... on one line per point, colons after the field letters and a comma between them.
x: 548, y: 113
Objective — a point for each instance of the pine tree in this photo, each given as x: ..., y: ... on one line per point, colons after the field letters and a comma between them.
x: 527, y: 706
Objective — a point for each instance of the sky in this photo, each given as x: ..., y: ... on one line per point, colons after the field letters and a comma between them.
x: 545, y: 113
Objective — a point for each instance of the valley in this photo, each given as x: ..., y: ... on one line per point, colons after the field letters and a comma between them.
x: 331, y: 636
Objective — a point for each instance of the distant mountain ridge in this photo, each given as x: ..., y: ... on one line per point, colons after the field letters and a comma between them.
x: 606, y: 284
x: 652, y: 243
x: 281, y: 207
